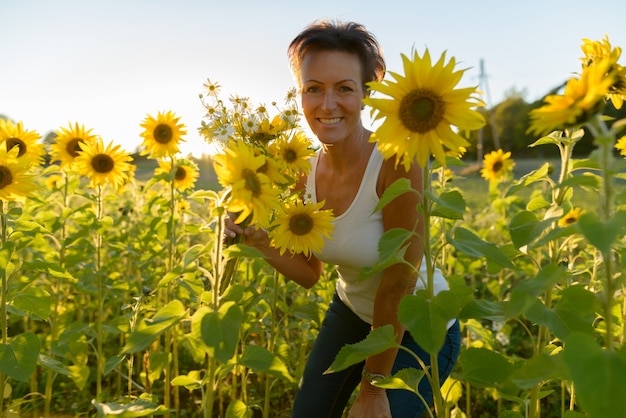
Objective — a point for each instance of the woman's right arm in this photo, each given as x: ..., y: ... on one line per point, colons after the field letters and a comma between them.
x: 302, y: 270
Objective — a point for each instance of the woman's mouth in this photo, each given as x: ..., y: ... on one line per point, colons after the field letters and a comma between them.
x: 330, y: 121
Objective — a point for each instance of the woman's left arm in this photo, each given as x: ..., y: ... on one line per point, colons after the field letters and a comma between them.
x: 398, y: 281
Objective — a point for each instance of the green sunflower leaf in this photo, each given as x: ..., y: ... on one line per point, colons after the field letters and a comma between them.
x: 378, y: 340
x: 470, y: 244
x: 18, y: 358
x: 150, y: 329
x: 397, y: 188
x: 260, y: 359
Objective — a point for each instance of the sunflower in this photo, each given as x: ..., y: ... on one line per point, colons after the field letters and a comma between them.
x: 423, y: 108
x: 268, y: 130
x: 583, y: 98
x: 162, y: 135
x: 103, y: 164
x: 621, y: 146
x: 15, y: 136
x: 54, y: 181
x: 251, y: 192
x: 182, y: 205
x: 294, y: 153
x: 185, y: 176
x: 15, y: 183
x: 301, y: 228
x: 497, y: 165
x: 597, y: 50
x: 571, y: 217
x: 68, y: 143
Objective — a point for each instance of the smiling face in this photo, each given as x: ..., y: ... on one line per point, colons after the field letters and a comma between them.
x: 332, y: 90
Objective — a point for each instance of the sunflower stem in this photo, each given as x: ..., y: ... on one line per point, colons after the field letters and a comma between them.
x: 170, y: 343
x: 606, y: 143
x: 54, y: 313
x: 99, y: 319
x: 271, y: 343
x: 3, y: 301
x: 565, y: 150
x: 430, y: 289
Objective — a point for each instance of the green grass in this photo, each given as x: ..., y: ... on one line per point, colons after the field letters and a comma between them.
x: 475, y: 189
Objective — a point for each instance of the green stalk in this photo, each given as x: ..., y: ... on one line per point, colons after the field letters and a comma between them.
x: 566, y: 168
x: 270, y: 345
x: 610, y: 285
x: 217, y: 264
x: 217, y: 272
x: 210, y: 387
x: 542, y: 339
x: 100, y: 317
x: 430, y: 288
x: 3, y: 302
x: 606, y: 142
x: 623, y: 336
x: 55, y: 308
x: 170, y: 343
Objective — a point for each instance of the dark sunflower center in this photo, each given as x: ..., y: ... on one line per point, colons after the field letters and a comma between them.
x: 73, y: 147
x: 570, y: 220
x: 497, y: 166
x: 102, y: 163
x: 181, y: 174
x: 291, y: 156
x: 163, y: 133
x: 421, y: 110
x: 16, y: 142
x: 6, y: 177
x: 252, y: 181
x: 300, y: 224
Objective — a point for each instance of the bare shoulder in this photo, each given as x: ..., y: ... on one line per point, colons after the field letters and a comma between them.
x: 390, y: 172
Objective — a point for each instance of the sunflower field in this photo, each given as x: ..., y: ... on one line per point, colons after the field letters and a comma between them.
x: 121, y: 297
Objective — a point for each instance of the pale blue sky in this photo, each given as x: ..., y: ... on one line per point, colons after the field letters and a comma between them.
x: 107, y: 64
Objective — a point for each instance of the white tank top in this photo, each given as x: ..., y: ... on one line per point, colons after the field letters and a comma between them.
x: 354, y: 244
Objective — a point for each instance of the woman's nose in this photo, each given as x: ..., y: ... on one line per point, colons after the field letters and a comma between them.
x: 329, y: 101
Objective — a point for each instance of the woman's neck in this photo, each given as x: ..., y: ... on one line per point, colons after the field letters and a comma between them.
x: 342, y: 156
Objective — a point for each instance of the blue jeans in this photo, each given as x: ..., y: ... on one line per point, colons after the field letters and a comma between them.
x: 326, y: 396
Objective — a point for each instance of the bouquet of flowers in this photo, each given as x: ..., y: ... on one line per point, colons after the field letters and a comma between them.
x: 260, y: 158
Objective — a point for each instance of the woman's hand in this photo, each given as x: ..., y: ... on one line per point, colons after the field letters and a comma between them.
x: 371, y: 402
x: 251, y: 235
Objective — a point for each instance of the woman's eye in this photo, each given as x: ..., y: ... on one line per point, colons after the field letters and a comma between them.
x: 313, y: 89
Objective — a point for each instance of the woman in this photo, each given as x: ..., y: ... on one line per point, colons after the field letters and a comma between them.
x: 332, y: 62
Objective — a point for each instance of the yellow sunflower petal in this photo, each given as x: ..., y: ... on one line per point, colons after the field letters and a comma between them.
x: 27, y: 142
x: 69, y: 142
x: 15, y: 182
x: 185, y: 173
x: 301, y: 228
x: 251, y: 192
x: 497, y: 165
x: 103, y: 164
x: 162, y: 135
x: 423, y: 101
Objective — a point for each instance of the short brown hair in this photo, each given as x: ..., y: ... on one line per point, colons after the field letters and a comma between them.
x: 333, y: 35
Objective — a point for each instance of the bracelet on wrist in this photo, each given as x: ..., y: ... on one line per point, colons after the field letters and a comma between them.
x: 372, y: 378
